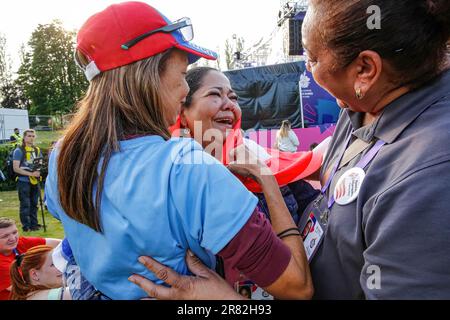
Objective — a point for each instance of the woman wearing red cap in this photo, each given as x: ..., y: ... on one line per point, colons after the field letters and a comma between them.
x: 123, y: 188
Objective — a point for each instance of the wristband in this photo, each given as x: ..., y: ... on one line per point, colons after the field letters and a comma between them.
x: 289, y: 234
x: 287, y: 230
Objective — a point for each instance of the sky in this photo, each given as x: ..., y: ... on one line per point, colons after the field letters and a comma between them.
x: 214, y: 21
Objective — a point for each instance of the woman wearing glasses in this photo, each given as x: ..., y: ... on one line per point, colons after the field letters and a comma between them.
x: 122, y: 188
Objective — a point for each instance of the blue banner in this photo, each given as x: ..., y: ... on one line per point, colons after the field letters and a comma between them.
x: 319, y: 107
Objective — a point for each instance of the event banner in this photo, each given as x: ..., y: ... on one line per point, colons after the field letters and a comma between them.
x: 319, y: 107
x: 270, y: 94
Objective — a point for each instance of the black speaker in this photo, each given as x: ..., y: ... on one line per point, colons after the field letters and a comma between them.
x: 295, y: 37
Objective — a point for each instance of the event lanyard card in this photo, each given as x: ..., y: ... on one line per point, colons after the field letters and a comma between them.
x: 312, y: 235
x: 312, y: 226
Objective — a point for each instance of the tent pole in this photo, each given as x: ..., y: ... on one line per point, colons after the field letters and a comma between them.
x: 301, y: 102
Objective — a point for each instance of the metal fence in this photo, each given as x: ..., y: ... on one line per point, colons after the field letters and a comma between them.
x: 49, y: 123
x: 37, y: 122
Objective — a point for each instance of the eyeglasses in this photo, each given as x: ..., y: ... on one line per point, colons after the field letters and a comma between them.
x: 184, y: 26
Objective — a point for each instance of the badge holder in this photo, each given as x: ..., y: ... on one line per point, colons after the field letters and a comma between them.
x: 311, y: 229
x: 314, y: 221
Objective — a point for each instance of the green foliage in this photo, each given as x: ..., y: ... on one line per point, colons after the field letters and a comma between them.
x: 5, y: 63
x: 13, y: 96
x: 229, y: 55
x: 11, y: 93
x: 5, y: 149
x: 48, y: 74
x: 237, y: 44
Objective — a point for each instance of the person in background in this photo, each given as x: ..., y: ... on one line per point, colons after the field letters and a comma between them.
x: 15, y: 138
x: 11, y: 246
x: 34, y: 276
x: 28, y: 180
x: 286, y: 138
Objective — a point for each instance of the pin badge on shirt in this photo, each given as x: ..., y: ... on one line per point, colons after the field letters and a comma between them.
x: 348, y: 186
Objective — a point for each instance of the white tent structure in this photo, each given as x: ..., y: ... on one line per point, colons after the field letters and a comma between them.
x: 10, y: 119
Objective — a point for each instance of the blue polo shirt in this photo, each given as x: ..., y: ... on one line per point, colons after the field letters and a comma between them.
x: 159, y: 199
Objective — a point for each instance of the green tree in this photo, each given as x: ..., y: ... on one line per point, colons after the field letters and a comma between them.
x: 5, y: 66
x: 236, y: 45
x: 11, y: 94
x: 48, y: 74
x: 229, y: 57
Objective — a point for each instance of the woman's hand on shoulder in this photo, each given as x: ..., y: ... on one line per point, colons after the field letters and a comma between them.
x: 204, y: 285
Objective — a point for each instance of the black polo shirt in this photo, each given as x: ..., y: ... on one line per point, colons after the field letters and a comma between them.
x: 393, y: 242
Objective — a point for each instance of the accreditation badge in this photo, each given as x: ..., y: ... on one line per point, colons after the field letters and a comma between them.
x: 313, y: 224
x: 348, y: 186
x: 312, y: 235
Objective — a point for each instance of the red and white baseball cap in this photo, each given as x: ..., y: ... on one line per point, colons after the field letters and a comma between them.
x: 131, y: 31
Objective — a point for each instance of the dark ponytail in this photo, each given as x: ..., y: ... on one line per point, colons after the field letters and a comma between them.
x: 19, y: 272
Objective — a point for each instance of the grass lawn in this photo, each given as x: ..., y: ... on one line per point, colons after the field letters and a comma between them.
x: 9, y: 207
x: 44, y: 138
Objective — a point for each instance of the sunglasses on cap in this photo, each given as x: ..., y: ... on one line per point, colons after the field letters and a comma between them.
x: 184, y: 26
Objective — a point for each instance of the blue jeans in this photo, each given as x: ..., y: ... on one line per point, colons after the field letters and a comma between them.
x: 28, y: 197
x: 80, y: 288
